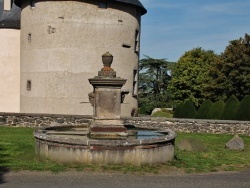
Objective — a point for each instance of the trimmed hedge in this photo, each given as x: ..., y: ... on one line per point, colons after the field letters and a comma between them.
x: 204, y: 109
x: 244, y: 109
x: 187, y: 110
x: 216, y: 110
x: 178, y: 111
x: 231, y: 108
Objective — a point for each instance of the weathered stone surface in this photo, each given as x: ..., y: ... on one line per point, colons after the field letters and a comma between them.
x: 60, y: 120
x: 236, y: 143
x: 178, y: 125
x: 2, y: 119
x: 191, y: 144
x: 160, y: 109
x: 93, y: 151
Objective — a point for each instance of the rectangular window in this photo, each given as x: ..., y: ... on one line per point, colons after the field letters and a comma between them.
x: 135, y: 84
x: 137, y: 42
x: 28, y: 85
x: 29, y: 37
x: 7, y: 4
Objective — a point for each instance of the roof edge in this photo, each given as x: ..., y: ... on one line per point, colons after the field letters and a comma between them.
x: 132, y: 2
x: 136, y: 3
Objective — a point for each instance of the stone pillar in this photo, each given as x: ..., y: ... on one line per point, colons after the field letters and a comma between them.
x: 107, y: 101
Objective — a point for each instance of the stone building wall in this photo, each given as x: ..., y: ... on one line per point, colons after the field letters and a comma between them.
x: 61, y: 47
x: 178, y: 125
x: 10, y: 70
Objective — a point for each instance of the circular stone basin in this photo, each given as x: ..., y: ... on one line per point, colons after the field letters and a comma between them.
x: 71, y: 144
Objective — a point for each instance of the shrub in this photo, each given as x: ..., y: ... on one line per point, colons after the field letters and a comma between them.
x: 187, y: 110
x: 216, y: 110
x: 146, y: 109
x: 204, y: 109
x: 244, y: 109
x: 231, y: 108
x: 178, y: 111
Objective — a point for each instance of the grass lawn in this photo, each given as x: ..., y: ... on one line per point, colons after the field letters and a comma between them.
x: 17, y: 152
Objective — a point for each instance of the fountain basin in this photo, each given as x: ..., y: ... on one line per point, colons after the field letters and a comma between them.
x: 71, y: 144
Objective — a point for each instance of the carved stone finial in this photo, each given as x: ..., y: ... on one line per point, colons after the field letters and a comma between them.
x: 107, y: 71
x: 107, y: 60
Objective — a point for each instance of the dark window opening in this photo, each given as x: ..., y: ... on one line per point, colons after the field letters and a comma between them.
x: 29, y: 37
x: 135, y: 84
x: 137, y: 37
x: 28, y: 85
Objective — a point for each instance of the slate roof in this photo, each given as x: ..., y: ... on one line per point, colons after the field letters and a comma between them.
x: 11, y: 19
x: 134, y: 2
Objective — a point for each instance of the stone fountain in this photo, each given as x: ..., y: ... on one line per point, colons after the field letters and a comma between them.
x: 106, y: 140
x: 107, y: 102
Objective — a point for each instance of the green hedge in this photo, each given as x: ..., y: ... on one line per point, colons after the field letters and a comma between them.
x: 231, y: 108
x: 244, y: 109
x: 204, y: 109
x: 216, y: 110
x: 186, y: 110
x: 178, y: 111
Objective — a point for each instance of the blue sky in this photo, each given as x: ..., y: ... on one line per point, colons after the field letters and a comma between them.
x: 172, y: 27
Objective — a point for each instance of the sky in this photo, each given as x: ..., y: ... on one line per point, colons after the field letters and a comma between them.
x: 172, y: 27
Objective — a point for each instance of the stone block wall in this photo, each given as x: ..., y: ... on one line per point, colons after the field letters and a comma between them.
x: 177, y: 125
x: 41, y: 120
x: 193, y: 125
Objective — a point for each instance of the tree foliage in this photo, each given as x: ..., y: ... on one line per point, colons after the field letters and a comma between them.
x: 189, y: 76
x: 230, y: 75
x: 154, y: 76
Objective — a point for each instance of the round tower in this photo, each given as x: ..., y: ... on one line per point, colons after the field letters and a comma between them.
x: 61, y: 47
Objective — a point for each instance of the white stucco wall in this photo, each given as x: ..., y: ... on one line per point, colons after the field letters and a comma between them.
x: 61, y: 47
x: 9, y: 70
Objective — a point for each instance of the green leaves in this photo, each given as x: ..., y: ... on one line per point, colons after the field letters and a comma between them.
x: 198, y: 75
x: 154, y: 77
x: 190, y: 74
x: 231, y: 73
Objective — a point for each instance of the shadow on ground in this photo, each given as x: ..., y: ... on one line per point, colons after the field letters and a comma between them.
x: 3, y: 169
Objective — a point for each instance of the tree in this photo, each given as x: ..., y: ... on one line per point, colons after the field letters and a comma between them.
x: 230, y: 75
x: 189, y: 76
x: 154, y: 76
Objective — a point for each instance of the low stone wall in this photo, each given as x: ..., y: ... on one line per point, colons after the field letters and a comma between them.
x: 177, y: 125
x: 41, y: 120
x: 193, y: 125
